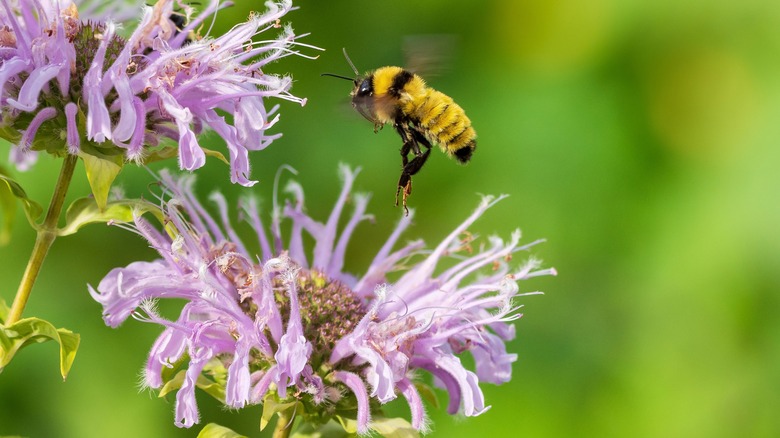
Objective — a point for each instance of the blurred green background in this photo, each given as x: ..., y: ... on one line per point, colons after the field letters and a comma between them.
x: 639, y: 138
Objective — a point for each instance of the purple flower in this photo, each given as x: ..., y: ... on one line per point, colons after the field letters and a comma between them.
x: 291, y: 324
x: 70, y: 83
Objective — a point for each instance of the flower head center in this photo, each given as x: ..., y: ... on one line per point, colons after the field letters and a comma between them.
x: 87, y: 37
x: 329, y: 311
x: 7, y: 37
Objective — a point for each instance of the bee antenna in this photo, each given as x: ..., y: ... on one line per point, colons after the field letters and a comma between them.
x: 357, y: 73
x: 338, y: 76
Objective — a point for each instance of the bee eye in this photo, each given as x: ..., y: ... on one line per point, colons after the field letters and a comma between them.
x: 366, y: 88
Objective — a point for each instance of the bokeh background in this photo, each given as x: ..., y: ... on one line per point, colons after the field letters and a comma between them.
x: 639, y: 138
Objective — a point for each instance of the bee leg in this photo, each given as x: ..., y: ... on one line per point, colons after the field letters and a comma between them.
x: 414, y: 166
x: 412, y: 139
x: 410, y: 168
x: 405, y: 149
x: 407, y: 191
x: 405, y: 182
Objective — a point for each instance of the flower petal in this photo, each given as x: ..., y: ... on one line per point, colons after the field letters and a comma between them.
x: 355, y: 384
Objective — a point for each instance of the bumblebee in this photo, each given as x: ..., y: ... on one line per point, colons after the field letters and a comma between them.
x: 420, y: 115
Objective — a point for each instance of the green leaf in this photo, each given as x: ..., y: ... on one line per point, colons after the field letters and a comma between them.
x: 29, y: 331
x: 101, y: 172
x: 216, y: 370
x: 211, y: 387
x: 8, y: 207
x: 4, y: 311
x: 394, y: 428
x: 216, y: 154
x: 174, y: 378
x: 85, y: 211
x: 348, y: 424
x: 169, y: 151
x: 172, y: 384
x: 160, y: 153
x: 213, y: 379
x: 10, y: 189
x: 10, y: 135
x: 331, y: 429
x: 386, y: 427
x: 169, y: 372
x: 213, y: 430
x: 427, y: 394
x: 271, y: 406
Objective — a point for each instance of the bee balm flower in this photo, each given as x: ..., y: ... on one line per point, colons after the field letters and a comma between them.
x: 290, y: 325
x: 71, y: 84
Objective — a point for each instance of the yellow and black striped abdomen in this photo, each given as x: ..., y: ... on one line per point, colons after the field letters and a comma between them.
x: 444, y: 122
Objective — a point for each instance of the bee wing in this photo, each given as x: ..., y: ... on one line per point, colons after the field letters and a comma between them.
x: 385, y: 104
x: 429, y: 55
x: 365, y: 106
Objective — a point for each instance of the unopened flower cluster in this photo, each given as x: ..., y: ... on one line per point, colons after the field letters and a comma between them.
x: 291, y: 324
x: 71, y: 84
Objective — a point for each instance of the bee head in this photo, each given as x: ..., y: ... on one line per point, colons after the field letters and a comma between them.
x: 362, y: 93
x: 364, y: 87
x: 363, y: 98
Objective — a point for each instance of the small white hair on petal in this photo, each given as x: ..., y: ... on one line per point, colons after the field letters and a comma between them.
x: 381, y: 292
x: 150, y: 306
x: 276, y: 264
x: 290, y: 274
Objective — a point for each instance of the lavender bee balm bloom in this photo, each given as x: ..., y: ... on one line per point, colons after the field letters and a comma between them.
x: 70, y: 83
x: 290, y: 325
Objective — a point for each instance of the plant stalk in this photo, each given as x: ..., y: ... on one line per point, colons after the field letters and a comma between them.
x: 47, y: 232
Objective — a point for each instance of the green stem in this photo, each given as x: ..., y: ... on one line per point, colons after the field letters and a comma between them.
x: 284, y: 424
x: 47, y: 232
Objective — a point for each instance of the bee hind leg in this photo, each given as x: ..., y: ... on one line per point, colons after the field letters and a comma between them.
x: 412, y: 139
x: 407, y: 189
x: 410, y: 168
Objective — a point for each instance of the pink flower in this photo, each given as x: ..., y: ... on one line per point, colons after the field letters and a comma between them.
x: 61, y: 64
x: 297, y: 327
